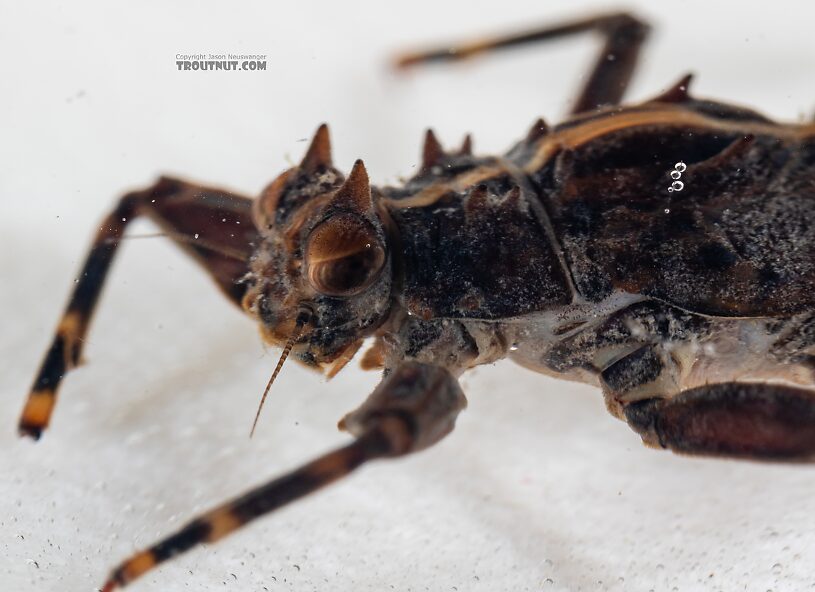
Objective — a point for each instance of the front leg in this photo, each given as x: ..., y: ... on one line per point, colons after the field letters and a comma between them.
x: 414, y: 407
x: 212, y: 225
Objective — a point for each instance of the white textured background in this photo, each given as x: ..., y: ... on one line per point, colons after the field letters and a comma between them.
x: 538, y: 489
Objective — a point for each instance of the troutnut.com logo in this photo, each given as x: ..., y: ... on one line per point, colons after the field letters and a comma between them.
x: 220, y: 61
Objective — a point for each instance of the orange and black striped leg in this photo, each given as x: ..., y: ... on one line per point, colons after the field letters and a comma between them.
x: 742, y: 420
x: 624, y: 36
x: 414, y: 407
x: 185, y: 211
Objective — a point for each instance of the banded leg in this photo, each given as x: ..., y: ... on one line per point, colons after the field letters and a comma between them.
x: 624, y: 36
x: 743, y: 420
x: 213, y: 226
x: 414, y: 407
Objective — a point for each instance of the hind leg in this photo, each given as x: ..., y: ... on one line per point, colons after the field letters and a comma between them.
x: 609, y: 78
x: 743, y: 420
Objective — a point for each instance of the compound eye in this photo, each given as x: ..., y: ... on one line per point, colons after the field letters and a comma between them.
x: 343, y: 256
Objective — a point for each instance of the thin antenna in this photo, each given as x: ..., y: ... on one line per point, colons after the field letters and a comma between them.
x: 302, y: 319
x: 183, y: 238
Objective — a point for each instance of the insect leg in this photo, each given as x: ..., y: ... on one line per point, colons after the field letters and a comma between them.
x: 745, y: 420
x: 212, y: 225
x: 624, y: 35
x: 414, y: 407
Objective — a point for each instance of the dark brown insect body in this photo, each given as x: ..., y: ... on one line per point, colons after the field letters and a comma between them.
x: 567, y: 254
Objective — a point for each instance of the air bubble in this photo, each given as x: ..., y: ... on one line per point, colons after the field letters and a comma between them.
x: 196, y: 235
x: 670, y: 189
x: 668, y: 210
x: 675, y: 174
x: 677, y: 185
x: 680, y: 166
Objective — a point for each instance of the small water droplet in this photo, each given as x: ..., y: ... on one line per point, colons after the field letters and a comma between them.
x: 196, y: 235
x: 678, y: 185
x: 675, y: 174
x: 670, y: 189
x: 776, y: 568
x: 549, y: 581
x: 680, y: 166
x: 668, y: 210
